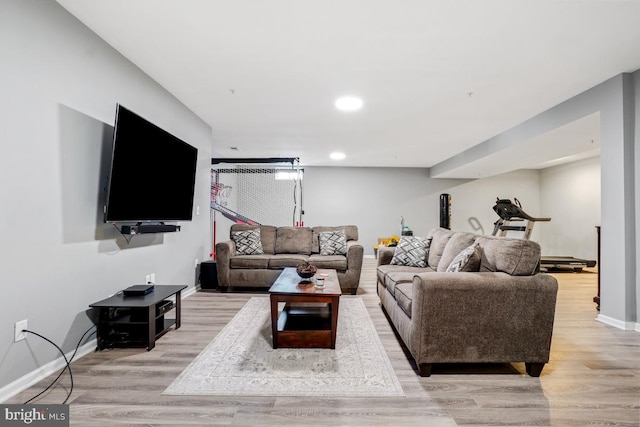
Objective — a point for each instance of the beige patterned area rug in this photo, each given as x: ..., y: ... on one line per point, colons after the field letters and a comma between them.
x: 241, y: 360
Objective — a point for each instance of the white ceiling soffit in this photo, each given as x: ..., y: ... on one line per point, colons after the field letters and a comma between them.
x: 436, y: 77
x: 569, y: 143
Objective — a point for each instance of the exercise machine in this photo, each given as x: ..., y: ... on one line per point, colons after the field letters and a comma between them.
x: 510, y: 212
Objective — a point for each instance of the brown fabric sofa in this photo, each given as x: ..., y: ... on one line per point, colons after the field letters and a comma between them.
x: 287, y: 247
x: 502, y: 312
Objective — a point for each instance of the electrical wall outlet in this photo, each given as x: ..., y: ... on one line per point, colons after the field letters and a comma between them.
x: 147, y: 278
x: 196, y: 263
x: 153, y: 277
x: 18, y: 334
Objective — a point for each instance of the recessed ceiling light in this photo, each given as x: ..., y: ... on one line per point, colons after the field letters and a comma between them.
x: 336, y: 155
x: 348, y: 103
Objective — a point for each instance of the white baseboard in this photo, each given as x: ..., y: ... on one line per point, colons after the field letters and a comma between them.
x: 187, y: 292
x: 625, y: 326
x: 26, y: 381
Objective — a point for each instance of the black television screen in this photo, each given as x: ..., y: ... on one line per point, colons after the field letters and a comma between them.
x: 152, y: 175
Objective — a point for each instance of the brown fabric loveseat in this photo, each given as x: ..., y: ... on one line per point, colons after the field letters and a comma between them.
x: 279, y: 247
x: 498, y: 307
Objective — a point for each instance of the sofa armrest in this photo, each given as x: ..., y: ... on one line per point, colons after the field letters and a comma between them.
x: 355, y: 253
x: 224, y: 252
x: 385, y: 253
x: 350, y: 277
x: 482, y: 317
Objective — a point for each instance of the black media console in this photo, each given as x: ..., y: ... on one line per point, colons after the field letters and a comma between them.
x: 137, y: 321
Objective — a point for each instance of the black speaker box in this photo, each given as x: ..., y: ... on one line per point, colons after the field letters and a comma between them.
x: 208, y: 275
x: 149, y: 228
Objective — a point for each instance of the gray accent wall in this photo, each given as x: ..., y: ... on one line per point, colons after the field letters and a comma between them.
x: 60, y: 86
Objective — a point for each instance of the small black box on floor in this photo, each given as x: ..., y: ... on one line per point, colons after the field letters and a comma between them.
x: 208, y: 275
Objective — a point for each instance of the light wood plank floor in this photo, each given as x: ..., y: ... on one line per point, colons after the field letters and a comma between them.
x: 592, y: 379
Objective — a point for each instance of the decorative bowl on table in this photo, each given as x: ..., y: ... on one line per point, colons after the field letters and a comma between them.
x: 306, y: 271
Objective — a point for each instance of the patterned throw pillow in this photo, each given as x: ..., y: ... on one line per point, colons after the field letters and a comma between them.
x: 247, y: 242
x: 467, y: 260
x: 412, y: 251
x: 333, y: 242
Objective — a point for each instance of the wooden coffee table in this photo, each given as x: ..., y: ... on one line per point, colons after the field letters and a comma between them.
x: 309, y: 318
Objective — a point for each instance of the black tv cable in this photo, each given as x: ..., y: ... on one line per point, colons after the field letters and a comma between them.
x: 67, y: 366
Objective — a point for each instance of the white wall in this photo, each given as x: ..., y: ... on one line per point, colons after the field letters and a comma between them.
x: 570, y: 195
x: 374, y: 199
x: 472, y: 202
x: 60, y: 85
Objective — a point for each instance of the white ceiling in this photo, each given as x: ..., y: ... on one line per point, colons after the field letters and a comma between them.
x: 437, y: 77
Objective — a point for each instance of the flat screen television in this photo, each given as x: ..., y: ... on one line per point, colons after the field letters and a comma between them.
x: 152, y: 175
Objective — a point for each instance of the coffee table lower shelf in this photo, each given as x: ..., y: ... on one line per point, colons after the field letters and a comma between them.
x: 305, y: 326
x: 309, y: 315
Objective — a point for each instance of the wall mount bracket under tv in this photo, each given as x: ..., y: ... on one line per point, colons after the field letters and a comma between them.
x: 152, y: 177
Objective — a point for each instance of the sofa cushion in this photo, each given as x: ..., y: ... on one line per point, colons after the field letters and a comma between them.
x: 333, y: 242
x: 280, y: 261
x: 267, y: 235
x: 249, y: 261
x: 388, y: 268
x: 394, y: 278
x: 516, y: 257
x: 293, y: 240
x: 247, y: 242
x: 404, y: 297
x: 411, y: 251
x: 336, y: 262
x: 467, y: 260
x: 455, y: 244
x: 351, y: 231
x: 440, y: 238
x: 389, y: 275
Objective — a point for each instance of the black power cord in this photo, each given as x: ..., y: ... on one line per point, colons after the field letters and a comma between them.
x: 66, y: 368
